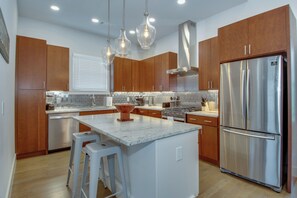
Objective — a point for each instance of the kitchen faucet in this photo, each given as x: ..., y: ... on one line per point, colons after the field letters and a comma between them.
x: 93, y: 100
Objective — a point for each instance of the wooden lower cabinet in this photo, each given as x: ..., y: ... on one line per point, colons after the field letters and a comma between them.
x: 208, y: 138
x: 151, y: 113
x: 209, y: 150
x: 31, y: 124
x: 83, y: 128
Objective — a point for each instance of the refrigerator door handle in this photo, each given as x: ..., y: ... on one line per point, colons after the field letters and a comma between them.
x: 248, y: 93
x: 243, y: 100
x: 250, y: 135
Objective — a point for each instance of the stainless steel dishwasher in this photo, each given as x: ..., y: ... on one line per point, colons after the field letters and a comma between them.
x: 60, y: 129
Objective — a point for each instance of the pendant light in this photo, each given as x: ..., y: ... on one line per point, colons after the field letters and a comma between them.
x: 146, y: 33
x: 108, y: 52
x: 122, y: 43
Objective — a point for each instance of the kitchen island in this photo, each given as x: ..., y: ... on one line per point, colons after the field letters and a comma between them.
x: 160, y: 156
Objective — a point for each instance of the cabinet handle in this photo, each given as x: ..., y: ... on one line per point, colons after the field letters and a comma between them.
x: 244, y: 49
x: 133, y: 88
x: 153, y: 87
x: 193, y: 119
x: 250, y: 49
x: 201, y: 131
x: 207, y: 84
x: 207, y: 121
x: 154, y: 113
x: 211, y: 84
x: 43, y: 84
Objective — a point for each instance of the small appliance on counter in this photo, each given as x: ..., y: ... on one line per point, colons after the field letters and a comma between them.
x: 139, y: 100
x: 108, y: 101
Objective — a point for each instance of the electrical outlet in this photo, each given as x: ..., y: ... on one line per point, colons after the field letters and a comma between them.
x: 179, y: 153
x: 2, y: 107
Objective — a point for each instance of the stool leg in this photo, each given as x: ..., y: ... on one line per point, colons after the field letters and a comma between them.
x: 76, y: 162
x: 85, y: 173
x: 70, y: 162
x: 121, y: 168
x: 94, y: 174
x: 111, y: 171
x: 103, y: 172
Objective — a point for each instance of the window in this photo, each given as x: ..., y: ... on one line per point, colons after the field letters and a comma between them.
x: 89, y: 74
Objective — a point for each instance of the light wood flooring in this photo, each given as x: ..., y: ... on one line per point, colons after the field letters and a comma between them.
x: 45, y: 177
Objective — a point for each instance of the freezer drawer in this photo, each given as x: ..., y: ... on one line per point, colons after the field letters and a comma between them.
x: 255, y: 156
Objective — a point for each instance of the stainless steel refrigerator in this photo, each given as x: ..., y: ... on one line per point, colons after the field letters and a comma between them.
x: 251, y: 119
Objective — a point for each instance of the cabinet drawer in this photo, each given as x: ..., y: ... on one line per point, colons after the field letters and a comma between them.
x: 202, y: 120
x: 155, y: 113
x: 143, y: 112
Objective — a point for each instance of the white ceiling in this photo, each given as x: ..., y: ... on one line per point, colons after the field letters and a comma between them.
x: 78, y: 13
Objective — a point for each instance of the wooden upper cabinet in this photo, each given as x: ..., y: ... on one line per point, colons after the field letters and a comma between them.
x: 118, y: 73
x: 164, y: 81
x: 159, y: 72
x: 31, y: 122
x: 267, y: 32
x: 147, y: 75
x: 135, y: 75
x: 122, y: 74
x: 259, y: 35
x: 209, y: 64
x: 204, y: 64
x: 233, y: 41
x: 31, y: 63
x: 57, y: 68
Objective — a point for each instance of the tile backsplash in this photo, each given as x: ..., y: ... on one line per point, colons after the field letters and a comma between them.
x: 68, y: 99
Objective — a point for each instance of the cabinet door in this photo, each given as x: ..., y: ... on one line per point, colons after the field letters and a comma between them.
x: 30, y: 63
x: 204, y: 64
x: 127, y: 75
x: 267, y: 32
x: 159, y: 73
x: 135, y: 75
x: 148, y: 74
x: 209, y: 143
x: 214, y: 67
x: 233, y: 40
x: 118, y: 73
x: 30, y: 122
x: 57, y: 68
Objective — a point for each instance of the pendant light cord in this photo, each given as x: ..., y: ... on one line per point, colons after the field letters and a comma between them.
x: 108, y: 21
x: 146, y: 6
x: 124, y: 7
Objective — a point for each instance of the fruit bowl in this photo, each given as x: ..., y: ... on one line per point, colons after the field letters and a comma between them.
x: 124, y: 110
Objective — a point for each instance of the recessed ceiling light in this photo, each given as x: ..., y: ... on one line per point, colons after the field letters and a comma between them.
x: 180, y: 2
x: 95, y: 20
x: 55, y: 8
x: 132, y: 31
x: 152, y: 20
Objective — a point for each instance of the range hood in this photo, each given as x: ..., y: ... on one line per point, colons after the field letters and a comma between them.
x: 187, y: 50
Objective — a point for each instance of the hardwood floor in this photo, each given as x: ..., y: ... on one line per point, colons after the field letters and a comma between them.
x: 45, y: 177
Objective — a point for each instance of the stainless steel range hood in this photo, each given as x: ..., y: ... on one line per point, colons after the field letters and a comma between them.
x: 187, y: 50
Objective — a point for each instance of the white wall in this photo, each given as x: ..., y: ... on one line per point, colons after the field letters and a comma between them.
x: 7, y: 87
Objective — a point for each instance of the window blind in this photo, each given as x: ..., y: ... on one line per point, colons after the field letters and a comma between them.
x: 89, y: 74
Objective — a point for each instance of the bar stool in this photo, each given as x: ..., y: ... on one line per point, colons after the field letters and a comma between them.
x: 94, y: 153
x: 78, y: 139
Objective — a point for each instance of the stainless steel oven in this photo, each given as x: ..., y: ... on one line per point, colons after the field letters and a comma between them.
x: 60, y: 129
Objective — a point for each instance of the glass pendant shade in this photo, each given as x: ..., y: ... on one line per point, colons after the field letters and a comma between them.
x: 108, y: 54
x: 146, y: 33
x: 122, y: 44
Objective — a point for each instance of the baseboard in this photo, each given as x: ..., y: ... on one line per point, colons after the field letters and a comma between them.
x: 294, y: 171
x: 10, y: 182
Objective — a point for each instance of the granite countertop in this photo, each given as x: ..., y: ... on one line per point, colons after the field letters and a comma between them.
x: 141, y: 130
x: 205, y: 113
x: 79, y: 109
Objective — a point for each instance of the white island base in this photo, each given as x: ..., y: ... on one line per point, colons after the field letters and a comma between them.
x: 164, y: 168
